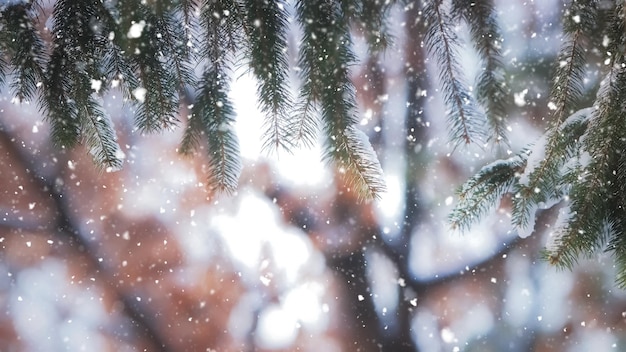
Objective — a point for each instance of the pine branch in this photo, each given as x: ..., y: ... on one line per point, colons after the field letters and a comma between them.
x: 597, y: 206
x: 187, y: 8
x: 25, y: 47
x: 304, y: 125
x: 213, y: 112
x: 371, y: 22
x: 617, y: 243
x: 60, y: 108
x: 597, y: 196
x: 3, y: 66
x: 566, y: 92
x: 222, y: 26
x: 466, y: 124
x: 615, y: 33
x: 266, y: 25
x: 99, y: 136
x: 617, y: 246
x: 579, y: 21
x: 490, y: 83
x: 76, y: 59
x: 153, y: 43
x: 119, y: 72
x: 481, y: 193
x: 192, y: 135
x: 176, y: 45
x: 324, y: 60
x: 548, y: 158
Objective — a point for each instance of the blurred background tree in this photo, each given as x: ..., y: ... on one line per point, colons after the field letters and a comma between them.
x: 138, y: 252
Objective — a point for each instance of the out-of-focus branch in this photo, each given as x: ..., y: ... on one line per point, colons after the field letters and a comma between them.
x: 421, y: 285
x: 65, y: 226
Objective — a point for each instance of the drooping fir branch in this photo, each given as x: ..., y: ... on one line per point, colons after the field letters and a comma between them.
x: 579, y: 22
x: 617, y: 242
x: 213, y: 116
x: 155, y: 45
x: 266, y: 26
x: 548, y: 191
x: 490, y: 84
x: 371, y: 22
x: 304, y: 124
x: 74, y: 65
x: 466, y: 124
x: 20, y: 40
x: 187, y: 8
x: 543, y: 176
x: 3, y: 64
x: 325, y: 58
x: 99, y: 136
x: 482, y: 192
x: 597, y: 199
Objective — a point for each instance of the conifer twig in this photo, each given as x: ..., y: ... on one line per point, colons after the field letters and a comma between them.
x: 466, y: 124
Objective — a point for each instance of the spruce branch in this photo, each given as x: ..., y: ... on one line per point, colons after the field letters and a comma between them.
x: 567, y: 90
x: 490, y: 83
x: 371, y: 22
x: 155, y: 44
x: 324, y: 60
x: 481, y: 193
x: 23, y: 44
x: 192, y: 135
x: 466, y: 123
x: 548, y: 158
x: 99, y: 136
x: 4, y: 66
x: 265, y: 26
x: 119, y: 72
x: 597, y: 204
x: 76, y: 59
x: 304, y: 124
x: 214, y: 116
x: 177, y: 49
x: 579, y: 21
x: 222, y: 27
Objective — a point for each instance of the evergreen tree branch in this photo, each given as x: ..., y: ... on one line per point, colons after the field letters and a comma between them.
x: 154, y: 43
x: 324, y: 61
x: 117, y: 66
x: 371, y: 21
x: 76, y: 60
x: 304, y: 125
x: 266, y: 25
x: 191, y: 137
x: 549, y: 157
x: 578, y: 21
x: 597, y: 195
x: 3, y: 67
x: 177, y: 46
x: 481, y: 192
x: 597, y: 206
x: 217, y: 116
x: 99, y: 136
x: 59, y: 106
x: 222, y: 26
x: 567, y: 90
x: 490, y: 84
x: 466, y: 124
x: 24, y: 45
x: 212, y: 114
